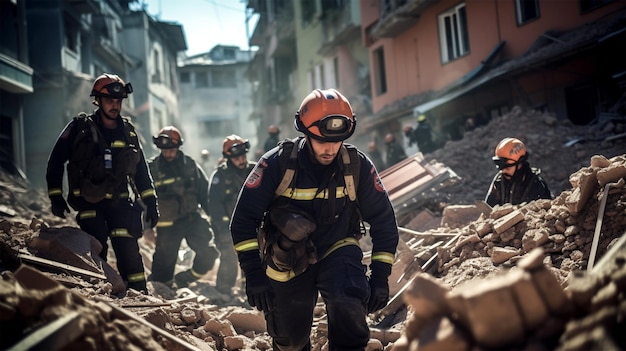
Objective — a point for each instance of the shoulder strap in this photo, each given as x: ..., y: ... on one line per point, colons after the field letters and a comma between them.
x: 84, y: 123
x: 130, y: 133
x: 351, y: 169
x: 288, y: 155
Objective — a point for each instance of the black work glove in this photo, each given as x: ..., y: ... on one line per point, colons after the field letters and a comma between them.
x: 258, y: 288
x: 152, y: 212
x: 379, y: 287
x: 59, y: 206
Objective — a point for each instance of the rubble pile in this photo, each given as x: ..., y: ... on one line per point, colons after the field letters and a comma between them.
x: 546, y: 139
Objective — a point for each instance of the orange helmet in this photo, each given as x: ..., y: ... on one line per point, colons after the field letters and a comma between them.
x: 110, y: 85
x: 168, y: 138
x: 234, y: 146
x: 509, y: 152
x: 325, y: 115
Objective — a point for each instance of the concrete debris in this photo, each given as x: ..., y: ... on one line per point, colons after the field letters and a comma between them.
x: 466, y: 276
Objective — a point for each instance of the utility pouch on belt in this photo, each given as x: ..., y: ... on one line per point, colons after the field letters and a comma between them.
x: 93, y: 193
x: 285, y: 238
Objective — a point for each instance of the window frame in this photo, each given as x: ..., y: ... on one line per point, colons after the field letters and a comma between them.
x: 521, y: 9
x: 453, y: 33
x: 380, y: 73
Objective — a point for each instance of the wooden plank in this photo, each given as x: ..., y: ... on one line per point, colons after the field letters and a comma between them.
x: 119, y: 312
x: 55, y: 335
x: 61, y: 266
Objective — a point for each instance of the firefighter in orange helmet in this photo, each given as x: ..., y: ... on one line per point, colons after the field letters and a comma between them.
x: 308, y: 242
x: 182, y: 188
x: 105, y: 159
x: 226, y: 181
x: 516, y: 181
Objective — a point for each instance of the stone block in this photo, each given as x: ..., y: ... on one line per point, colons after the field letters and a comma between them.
x: 551, y: 291
x: 529, y: 302
x: 441, y: 334
x: 426, y: 296
x: 502, y: 254
x: 507, y: 221
x: 458, y: 216
x: 611, y: 174
x: 533, y: 260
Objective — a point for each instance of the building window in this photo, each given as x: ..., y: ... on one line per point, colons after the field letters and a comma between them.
x: 379, y: 71
x: 336, y: 72
x: 588, y: 5
x: 202, y: 80
x: 185, y: 77
x: 223, y: 79
x: 453, y: 33
x: 526, y: 10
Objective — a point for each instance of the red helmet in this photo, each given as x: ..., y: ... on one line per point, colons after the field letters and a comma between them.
x: 326, y: 115
x: 168, y: 138
x: 110, y: 85
x: 509, y: 152
x: 234, y: 146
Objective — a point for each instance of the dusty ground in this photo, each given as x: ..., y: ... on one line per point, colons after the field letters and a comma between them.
x: 210, y: 321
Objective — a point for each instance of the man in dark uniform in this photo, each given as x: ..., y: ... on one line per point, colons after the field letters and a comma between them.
x: 181, y: 186
x: 226, y: 182
x: 421, y: 135
x: 309, y: 239
x: 105, y: 159
x: 272, y: 138
x: 516, y: 182
x: 395, y: 152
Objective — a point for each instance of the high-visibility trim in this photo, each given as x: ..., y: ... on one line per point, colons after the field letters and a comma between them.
x: 278, y: 275
x: 386, y: 257
x: 312, y: 193
x: 341, y: 243
x: 147, y: 192
x: 196, y: 274
x: 166, y: 181
x: 120, y: 233
x: 76, y: 192
x: 247, y: 245
x: 225, y: 219
x: 118, y: 144
x: 161, y: 224
x: 136, y: 277
x: 87, y: 214
x: 55, y: 191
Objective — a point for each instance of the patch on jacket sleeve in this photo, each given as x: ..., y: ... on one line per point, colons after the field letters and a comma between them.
x: 255, y: 177
x: 378, y: 184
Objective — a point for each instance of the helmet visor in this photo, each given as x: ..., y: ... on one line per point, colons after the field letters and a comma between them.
x: 334, y: 128
x: 163, y: 141
x: 117, y: 89
x: 238, y: 149
x: 502, y: 162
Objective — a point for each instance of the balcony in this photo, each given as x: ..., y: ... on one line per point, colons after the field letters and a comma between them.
x: 340, y: 25
x: 15, y: 77
x: 397, y: 17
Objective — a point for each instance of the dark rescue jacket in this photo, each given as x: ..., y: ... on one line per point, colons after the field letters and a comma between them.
x: 526, y: 185
x: 226, y: 182
x: 83, y: 144
x: 181, y: 186
x: 318, y: 193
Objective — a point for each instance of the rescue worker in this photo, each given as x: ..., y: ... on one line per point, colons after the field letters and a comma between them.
x: 182, y: 188
x: 226, y: 181
x: 375, y: 155
x: 395, y: 152
x: 421, y: 135
x: 272, y: 138
x: 309, y: 238
x: 105, y: 159
x: 516, y: 182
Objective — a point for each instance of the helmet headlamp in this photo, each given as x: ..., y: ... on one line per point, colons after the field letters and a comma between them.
x: 238, y: 149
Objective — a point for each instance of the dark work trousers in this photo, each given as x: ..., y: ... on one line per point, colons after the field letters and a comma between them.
x: 340, y: 279
x: 196, y: 231
x: 229, y: 265
x: 121, y: 221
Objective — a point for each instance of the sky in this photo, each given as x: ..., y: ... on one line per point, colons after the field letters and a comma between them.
x: 206, y: 23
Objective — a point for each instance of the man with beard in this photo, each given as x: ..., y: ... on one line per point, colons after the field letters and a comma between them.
x: 182, y: 188
x: 105, y: 159
x: 311, y: 206
x: 226, y: 181
x: 516, y: 182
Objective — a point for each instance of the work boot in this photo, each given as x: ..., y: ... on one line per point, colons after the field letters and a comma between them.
x: 184, y: 278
